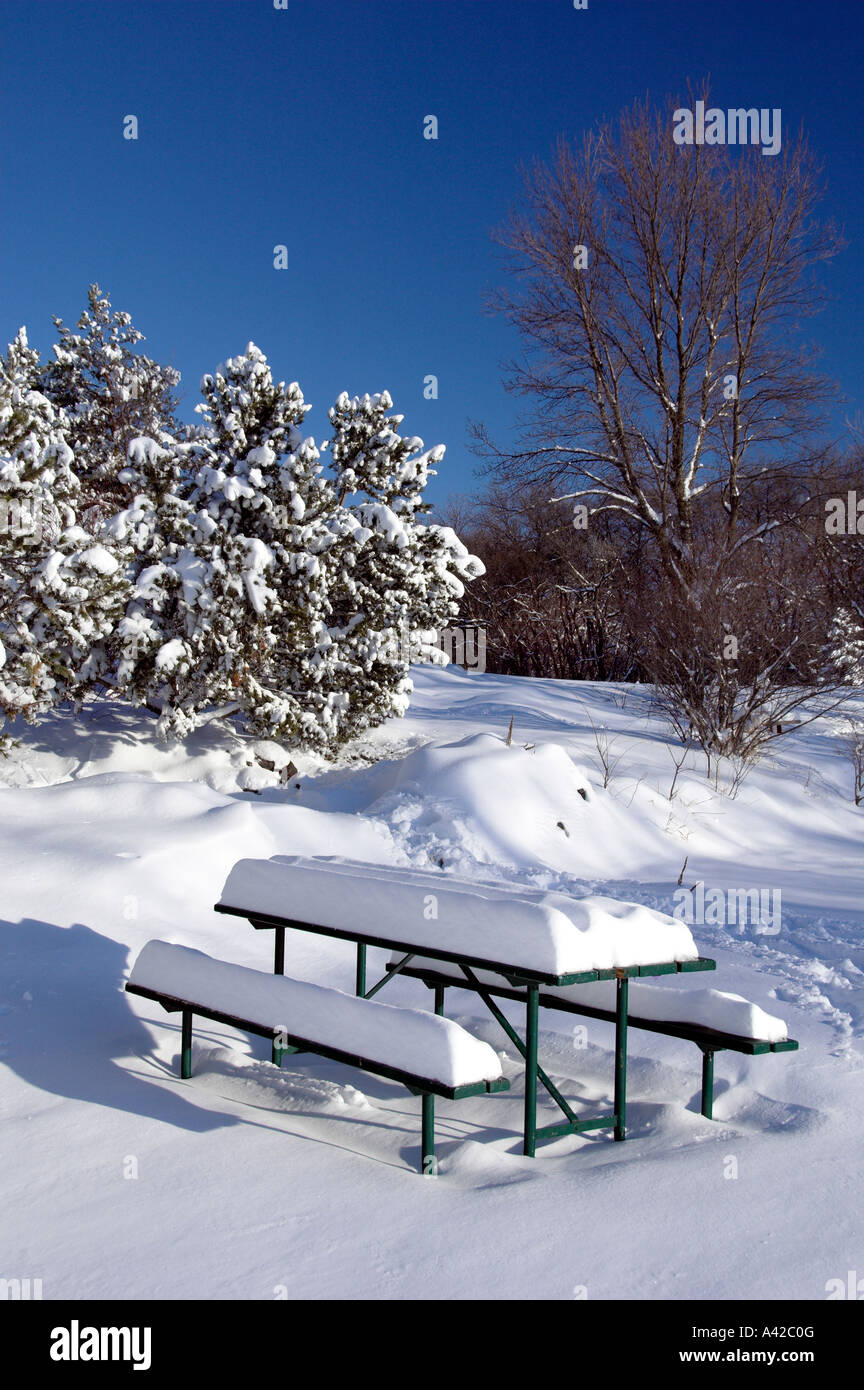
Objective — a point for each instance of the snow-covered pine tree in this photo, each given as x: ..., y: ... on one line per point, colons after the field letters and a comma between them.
x: 227, y: 605
x: 393, y: 581
x: 111, y: 394
x: 845, y: 647
x: 60, y: 590
x: 154, y: 529
x: 844, y: 652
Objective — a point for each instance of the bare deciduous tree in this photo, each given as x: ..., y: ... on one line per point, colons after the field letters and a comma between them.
x: 665, y: 364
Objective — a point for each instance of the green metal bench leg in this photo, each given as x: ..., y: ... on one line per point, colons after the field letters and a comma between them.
x: 621, y: 1001
x: 361, y: 969
x: 186, y: 1045
x: 439, y: 1000
x: 529, y: 1142
x: 279, y: 1050
x: 276, y: 1052
x: 428, y: 1162
x: 708, y: 1083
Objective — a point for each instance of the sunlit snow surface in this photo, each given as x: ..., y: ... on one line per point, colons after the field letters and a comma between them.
x: 118, y: 1180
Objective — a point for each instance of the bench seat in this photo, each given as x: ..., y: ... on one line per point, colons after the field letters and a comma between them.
x: 430, y: 1055
x: 713, y: 1020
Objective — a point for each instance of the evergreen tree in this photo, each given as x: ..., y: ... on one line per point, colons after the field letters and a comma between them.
x: 845, y: 648
x: 110, y: 394
x: 393, y: 580
x: 226, y: 606
x: 220, y: 565
x: 60, y: 590
x: 155, y: 529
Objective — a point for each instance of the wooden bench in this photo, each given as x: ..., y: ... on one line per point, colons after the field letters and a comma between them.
x: 430, y: 1055
x: 697, y: 1006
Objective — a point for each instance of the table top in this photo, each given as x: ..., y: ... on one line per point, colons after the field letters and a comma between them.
x: 549, y: 936
x: 515, y: 971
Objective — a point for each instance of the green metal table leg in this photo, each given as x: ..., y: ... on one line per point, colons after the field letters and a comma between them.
x: 428, y: 1163
x: 361, y: 969
x: 531, y: 1023
x: 279, y: 952
x: 708, y: 1083
x: 439, y: 1000
x: 186, y: 1045
x: 520, y: 1046
x: 621, y: 1001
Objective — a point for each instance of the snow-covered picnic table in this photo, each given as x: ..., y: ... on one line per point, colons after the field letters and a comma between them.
x: 531, y: 938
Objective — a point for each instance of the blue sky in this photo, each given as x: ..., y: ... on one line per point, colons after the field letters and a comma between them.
x: 304, y: 127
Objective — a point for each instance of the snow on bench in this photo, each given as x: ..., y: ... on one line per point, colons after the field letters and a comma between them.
x: 410, y: 1040
x: 546, y: 933
x: 714, y: 1020
x: 704, y: 1008
x: 430, y: 1055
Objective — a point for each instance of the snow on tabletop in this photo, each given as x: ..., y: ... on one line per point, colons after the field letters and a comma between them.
x: 546, y: 932
x: 416, y: 1042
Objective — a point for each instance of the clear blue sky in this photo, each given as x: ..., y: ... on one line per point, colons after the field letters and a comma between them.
x: 305, y: 127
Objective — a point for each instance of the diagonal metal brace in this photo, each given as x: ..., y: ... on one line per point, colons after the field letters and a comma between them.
x: 518, y: 1043
x: 391, y: 971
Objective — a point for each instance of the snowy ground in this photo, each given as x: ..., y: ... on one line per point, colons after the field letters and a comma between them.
x: 245, y: 1182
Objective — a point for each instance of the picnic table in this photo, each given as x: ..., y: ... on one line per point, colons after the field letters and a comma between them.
x: 531, y: 940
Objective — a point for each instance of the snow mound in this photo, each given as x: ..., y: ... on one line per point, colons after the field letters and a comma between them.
x: 108, y: 736
x: 514, y: 806
x: 123, y: 845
